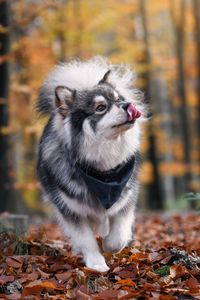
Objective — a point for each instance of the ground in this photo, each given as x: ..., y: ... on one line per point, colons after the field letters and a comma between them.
x: 162, y: 264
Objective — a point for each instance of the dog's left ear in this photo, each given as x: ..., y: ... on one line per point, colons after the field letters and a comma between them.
x: 64, y: 99
x: 105, y: 77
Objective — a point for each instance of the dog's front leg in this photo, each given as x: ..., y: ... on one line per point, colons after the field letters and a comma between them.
x: 121, y: 231
x: 103, y: 227
x: 84, y: 241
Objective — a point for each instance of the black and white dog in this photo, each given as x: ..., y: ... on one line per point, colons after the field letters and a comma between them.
x: 89, y: 154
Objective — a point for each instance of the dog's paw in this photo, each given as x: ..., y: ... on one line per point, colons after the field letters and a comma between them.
x: 96, y: 262
x: 99, y: 268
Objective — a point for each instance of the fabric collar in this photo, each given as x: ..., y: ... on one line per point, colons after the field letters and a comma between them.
x: 107, y: 186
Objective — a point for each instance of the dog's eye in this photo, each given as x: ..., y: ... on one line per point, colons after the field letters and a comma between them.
x: 101, y: 108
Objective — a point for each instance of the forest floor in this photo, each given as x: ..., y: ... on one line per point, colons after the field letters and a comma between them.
x: 162, y: 264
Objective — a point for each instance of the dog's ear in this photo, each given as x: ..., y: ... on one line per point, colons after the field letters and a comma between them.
x: 105, y: 77
x: 64, y: 99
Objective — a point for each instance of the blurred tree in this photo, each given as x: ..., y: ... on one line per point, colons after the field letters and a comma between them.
x: 8, y: 196
x: 154, y: 194
x: 197, y: 38
x: 179, y: 31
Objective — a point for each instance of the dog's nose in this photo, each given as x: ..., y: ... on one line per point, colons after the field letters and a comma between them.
x: 124, y: 105
x: 132, y: 112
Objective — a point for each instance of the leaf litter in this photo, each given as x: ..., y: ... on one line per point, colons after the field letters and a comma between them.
x: 163, y: 263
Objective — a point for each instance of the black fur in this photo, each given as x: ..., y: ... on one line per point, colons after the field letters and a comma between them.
x: 61, y: 161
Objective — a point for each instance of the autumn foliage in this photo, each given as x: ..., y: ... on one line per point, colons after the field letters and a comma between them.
x: 162, y: 264
x: 158, y: 39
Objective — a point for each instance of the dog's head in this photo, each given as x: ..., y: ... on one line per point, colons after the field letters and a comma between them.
x: 96, y: 110
x: 101, y: 111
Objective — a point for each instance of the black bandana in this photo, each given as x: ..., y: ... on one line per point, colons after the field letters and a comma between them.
x: 107, y: 186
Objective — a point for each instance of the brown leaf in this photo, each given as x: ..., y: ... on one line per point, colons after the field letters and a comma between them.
x: 132, y: 271
x: 37, y: 286
x: 157, y: 256
x: 165, y: 280
x: 117, y: 269
x: 82, y: 293
x: 63, y: 277
x: 108, y: 295
x: 177, y: 271
x: 92, y: 271
x: 102, y: 283
x: 4, y: 279
x: 43, y: 274
x: 31, y: 297
x: 59, y: 266
x: 152, y: 275
x: 126, y: 274
x: 139, y: 256
x: 153, y: 256
x: 14, y: 262
x: 127, y: 282
x: 14, y: 296
x: 192, y: 283
x: 167, y: 297
x: 32, y: 276
x: 166, y: 260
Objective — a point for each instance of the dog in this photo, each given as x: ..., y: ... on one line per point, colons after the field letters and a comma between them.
x: 88, y: 156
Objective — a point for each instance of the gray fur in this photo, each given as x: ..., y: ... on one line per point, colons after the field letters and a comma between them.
x: 82, y: 128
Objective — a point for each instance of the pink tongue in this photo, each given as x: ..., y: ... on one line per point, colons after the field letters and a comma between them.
x: 133, y: 113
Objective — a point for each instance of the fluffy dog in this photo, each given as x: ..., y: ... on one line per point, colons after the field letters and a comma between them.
x: 89, y: 154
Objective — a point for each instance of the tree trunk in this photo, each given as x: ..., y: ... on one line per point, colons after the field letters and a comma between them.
x: 155, y: 199
x: 197, y: 34
x: 8, y: 198
x: 5, y: 181
x: 183, y: 110
x: 196, y: 118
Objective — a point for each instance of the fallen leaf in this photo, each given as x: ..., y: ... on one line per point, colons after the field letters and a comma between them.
x: 60, y: 274
x: 29, y: 277
x: 63, y: 277
x: 4, y: 279
x: 14, y: 296
x: 152, y: 275
x: 82, y: 293
x: 14, y: 262
x: 127, y: 282
x: 108, y: 295
x: 177, y: 271
x: 166, y: 260
x: 37, y: 286
x: 59, y: 266
x: 43, y: 274
x: 135, y: 257
x: 126, y: 274
x: 192, y: 283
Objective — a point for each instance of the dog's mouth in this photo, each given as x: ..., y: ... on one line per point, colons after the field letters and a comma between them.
x: 132, y: 114
x: 126, y: 123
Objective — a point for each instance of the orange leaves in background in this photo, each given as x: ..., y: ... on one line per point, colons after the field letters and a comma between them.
x: 175, y: 167
x: 143, y: 34
x: 146, y: 174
